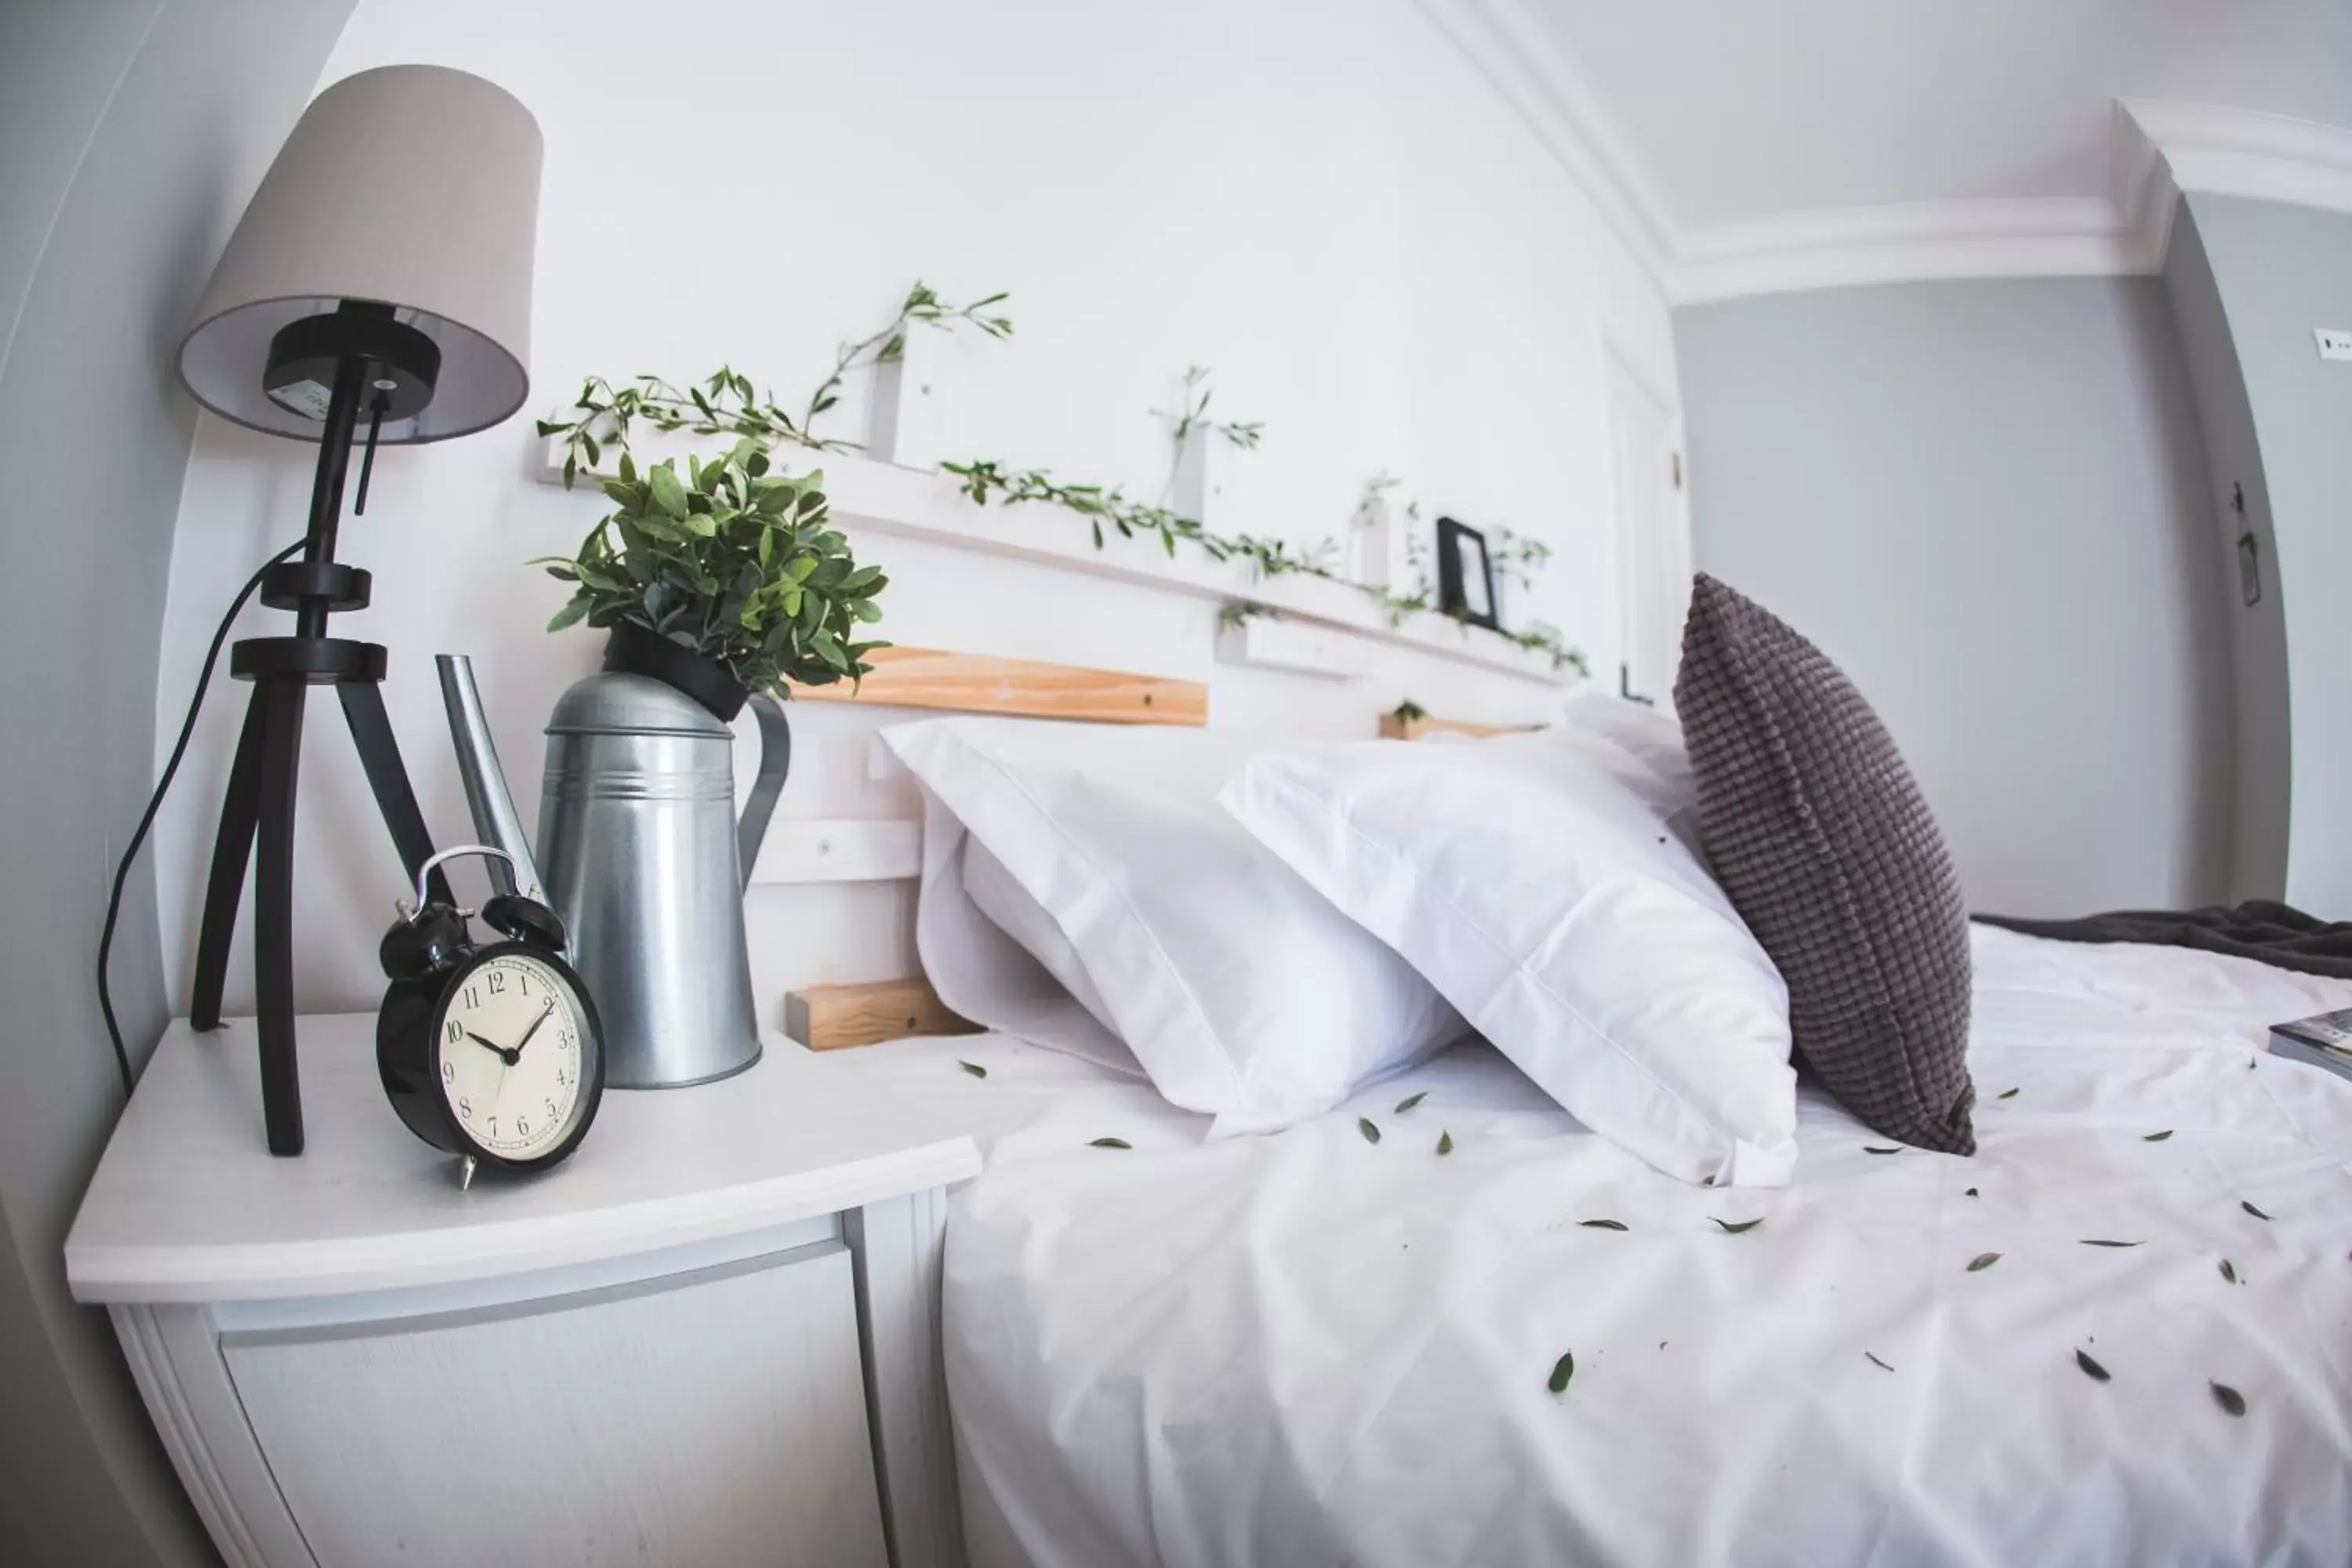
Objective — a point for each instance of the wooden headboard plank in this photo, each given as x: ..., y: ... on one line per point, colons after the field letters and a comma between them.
x: 1395, y: 729
x: 979, y: 683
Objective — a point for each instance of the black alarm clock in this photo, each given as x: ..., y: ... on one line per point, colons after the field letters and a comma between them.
x: 491, y: 1051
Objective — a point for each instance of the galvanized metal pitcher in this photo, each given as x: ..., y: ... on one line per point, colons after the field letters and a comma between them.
x: 643, y: 856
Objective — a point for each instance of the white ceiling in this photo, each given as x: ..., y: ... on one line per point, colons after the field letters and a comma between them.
x: 1744, y: 109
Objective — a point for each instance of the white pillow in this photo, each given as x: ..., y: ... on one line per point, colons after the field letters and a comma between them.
x: 1538, y: 881
x: 1238, y: 988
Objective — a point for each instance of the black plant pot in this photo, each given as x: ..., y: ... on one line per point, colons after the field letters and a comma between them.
x: 638, y: 650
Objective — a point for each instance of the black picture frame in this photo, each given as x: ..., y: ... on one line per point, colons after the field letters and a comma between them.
x: 1465, y: 577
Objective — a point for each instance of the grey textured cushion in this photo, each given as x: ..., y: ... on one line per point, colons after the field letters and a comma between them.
x: 1827, y: 849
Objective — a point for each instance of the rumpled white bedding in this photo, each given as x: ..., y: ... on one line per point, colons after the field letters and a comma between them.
x: 1314, y: 1349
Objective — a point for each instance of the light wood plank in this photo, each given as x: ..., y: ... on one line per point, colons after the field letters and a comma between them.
x: 833, y: 1017
x: 1395, y: 729
x: 978, y: 683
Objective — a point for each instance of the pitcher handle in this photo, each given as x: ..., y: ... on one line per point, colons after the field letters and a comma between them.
x: 775, y: 760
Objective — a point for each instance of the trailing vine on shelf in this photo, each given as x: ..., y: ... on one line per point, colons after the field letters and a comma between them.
x: 726, y: 403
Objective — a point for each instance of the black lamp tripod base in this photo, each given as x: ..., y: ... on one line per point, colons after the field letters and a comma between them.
x: 364, y: 352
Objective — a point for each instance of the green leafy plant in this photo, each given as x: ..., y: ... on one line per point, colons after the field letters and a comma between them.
x: 725, y: 403
x: 1243, y: 433
x: 731, y: 559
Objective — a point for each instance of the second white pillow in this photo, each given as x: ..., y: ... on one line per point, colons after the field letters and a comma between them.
x: 1538, y: 883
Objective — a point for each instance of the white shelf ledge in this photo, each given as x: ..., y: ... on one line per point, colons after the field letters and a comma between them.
x: 871, y: 496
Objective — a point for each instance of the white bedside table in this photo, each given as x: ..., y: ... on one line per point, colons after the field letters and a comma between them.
x: 710, y: 1337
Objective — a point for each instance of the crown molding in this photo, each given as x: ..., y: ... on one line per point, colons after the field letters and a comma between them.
x: 1531, y: 67
x: 2160, y: 148
x: 1847, y: 248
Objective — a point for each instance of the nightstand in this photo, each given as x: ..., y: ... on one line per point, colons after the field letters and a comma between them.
x: 711, y: 1337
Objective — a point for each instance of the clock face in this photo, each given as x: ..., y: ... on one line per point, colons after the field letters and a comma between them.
x: 511, y: 1044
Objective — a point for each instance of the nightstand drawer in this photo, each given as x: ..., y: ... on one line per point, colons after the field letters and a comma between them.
x: 711, y: 1417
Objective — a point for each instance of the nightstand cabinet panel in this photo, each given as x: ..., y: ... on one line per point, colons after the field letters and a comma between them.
x: 713, y: 1417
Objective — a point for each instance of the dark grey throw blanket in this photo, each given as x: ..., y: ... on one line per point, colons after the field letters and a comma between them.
x: 2258, y: 929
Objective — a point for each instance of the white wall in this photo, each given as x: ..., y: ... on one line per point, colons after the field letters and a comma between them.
x: 1988, y: 501
x: 1319, y: 199
x: 131, y: 133
x: 2282, y: 271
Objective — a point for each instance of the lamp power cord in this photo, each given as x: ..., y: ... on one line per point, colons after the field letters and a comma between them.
x: 155, y: 803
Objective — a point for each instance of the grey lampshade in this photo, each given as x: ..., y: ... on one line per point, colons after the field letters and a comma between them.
x: 413, y: 186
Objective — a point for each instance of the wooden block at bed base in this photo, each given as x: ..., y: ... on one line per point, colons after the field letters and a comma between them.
x: 978, y: 683
x: 834, y: 1017
x: 1395, y: 729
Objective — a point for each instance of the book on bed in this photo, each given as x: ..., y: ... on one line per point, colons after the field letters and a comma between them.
x: 2325, y: 1040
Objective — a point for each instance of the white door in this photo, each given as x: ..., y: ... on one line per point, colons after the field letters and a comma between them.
x: 1654, y: 569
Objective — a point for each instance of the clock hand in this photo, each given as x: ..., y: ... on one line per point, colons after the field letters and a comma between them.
x: 535, y: 1023
x: 501, y: 1052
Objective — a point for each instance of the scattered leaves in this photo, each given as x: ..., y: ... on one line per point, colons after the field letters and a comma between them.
x: 2155, y: 1137
x: 1561, y: 1371
x: 2252, y: 1209
x: 2006, y: 1094
x: 1876, y: 1363
x: 1970, y: 1193
x: 1110, y: 1144
x: 1446, y: 1142
x: 973, y: 1067
x: 1409, y: 1101
x: 2098, y: 1243
x: 2090, y: 1369
x: 1874, y: 1148
x: 1603, y: 1223
x: 1982, y: 1261
x: 1731, y: 1229
x: 2228, y: 1398
x: 1364, y: 1125
x: 2229, y: 1271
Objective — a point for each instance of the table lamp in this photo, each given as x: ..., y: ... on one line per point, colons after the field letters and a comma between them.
x: 380, y: 278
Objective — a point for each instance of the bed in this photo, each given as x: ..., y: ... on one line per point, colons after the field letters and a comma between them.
x: 1443, y: 1324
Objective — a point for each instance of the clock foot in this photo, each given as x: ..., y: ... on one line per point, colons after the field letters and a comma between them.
x: 466, y: 1174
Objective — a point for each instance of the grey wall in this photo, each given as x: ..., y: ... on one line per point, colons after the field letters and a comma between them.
x: 2279, y: 271
x: 131, y: 133
x: 1988, y: 501
x: 2257, y: 631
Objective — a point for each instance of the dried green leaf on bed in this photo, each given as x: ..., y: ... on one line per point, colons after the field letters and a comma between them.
x: 973, y: 1067
x: 1561, y: 1371
x: 2228, y: 1398
x: 2006, y: 1094
x: 1729, y: 1228
x: 1982, y: 1261
x: 2252, y: 1209
x: 1409, y: 1101
x: 1446, y: 1142
x: 1876, y: 1363
x: 2098, y: 1243
x: 2155, y: 1137
x: 1110, y: 1144
x: 2229, y: 1271
x: 2090, y: 1369
x: 1364, y: 1125
x: 1969, y: 1193
x: 1603, y: 1223
x: 1875, y: 1149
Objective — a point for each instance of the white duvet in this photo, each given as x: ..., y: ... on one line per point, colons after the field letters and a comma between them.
x: 1317, y: 1348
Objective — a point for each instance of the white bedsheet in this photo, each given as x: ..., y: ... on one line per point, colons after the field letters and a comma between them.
x: 1311, y: 1349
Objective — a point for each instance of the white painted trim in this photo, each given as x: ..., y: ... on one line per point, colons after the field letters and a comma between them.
x: 2159, y: 148
x: 1852, y: 246
x: 839, y: 849
x: 880, y: 498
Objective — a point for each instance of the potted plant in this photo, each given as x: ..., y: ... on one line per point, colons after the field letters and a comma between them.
x: 723, y: 581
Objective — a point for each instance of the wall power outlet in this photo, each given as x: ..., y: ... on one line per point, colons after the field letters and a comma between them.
x: 2335, y: 342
